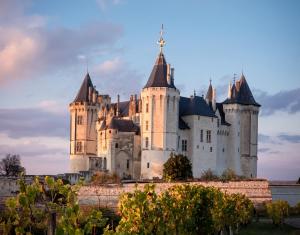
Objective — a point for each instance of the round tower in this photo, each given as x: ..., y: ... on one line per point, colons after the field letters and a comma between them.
x: 159, y: 118
x: 83, y: 135
x: 241, y: 111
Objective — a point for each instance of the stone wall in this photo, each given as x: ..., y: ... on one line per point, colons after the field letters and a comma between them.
x: 257, y: 191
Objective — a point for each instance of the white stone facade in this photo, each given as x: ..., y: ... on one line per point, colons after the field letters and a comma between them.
x: 135, y: 138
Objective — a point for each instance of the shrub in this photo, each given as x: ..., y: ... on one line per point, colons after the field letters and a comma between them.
x: 208, y: 175
x: 182, y: 209
x: 277, y: 211
x: 177, y: 167
x: 229, y: 174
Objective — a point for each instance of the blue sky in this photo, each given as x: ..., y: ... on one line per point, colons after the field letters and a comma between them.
x: 45, y: 44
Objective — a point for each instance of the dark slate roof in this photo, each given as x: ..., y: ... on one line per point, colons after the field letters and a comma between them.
x: 158, y: 76
x: 123, y: 108
x: 241, y: 94
x: 182, y: 124
x: 83, y: 93
x: 222, y: 114
x: 194, y: 105
x: 123, y: 125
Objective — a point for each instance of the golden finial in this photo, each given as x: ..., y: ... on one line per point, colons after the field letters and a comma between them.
x: 161, y: 42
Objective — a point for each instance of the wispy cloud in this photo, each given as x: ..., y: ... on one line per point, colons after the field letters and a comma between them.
x: 30, y: 122
x: 287, y: 101
x: 29, y: 48
x: 289, y: 138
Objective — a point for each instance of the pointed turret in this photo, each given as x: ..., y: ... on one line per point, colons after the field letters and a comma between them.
x: 85, y: 92
x: 209, y: 94
x: 159, y: 74
x: 241, y: 93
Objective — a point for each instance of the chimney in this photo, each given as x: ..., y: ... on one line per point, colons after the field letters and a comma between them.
x: 90, y: 94
x: 95, y: 95
x: 118, y: 103
x: 214, y: 105
x: 229, y: 91
x: 172, y: 76
x: 169, y: 74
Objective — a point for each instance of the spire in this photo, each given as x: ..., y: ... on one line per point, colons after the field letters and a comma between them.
x: 209, y: 94
x: 159, y: 74
x: 161, y: 42
x: 86, y: 88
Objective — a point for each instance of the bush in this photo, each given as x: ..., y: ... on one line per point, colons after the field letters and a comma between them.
x: 177, y: 167
x: 229, y: 174
x: 277, y: 211
x: 208, y: 175
x: 182, y: 209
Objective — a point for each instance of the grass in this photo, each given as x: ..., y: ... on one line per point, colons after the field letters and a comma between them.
x: 261, y: 228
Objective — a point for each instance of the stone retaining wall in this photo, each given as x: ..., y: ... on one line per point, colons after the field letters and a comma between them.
x: 107, y: 196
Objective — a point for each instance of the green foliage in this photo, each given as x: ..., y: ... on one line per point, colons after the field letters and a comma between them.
x: 11, y: 165
x: 209, y: 175
x: 182, y: 209
x: 228, y: 175
x: 277, y: 211
x: 177, y: 167
x: 31, y: 210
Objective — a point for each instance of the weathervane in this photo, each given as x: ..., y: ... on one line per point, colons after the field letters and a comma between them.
x: 161, y: 42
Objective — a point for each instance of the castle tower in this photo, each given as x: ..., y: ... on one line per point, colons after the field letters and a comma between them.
x: 241, y: 111
x: 83, y: 135
x: 159, y: 117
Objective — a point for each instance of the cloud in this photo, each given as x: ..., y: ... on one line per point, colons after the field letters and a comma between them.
x: 116, y: 77
x: 289, y: 138
x: 39, y: 155
x: 264, y: 138
x: 28, y: 48
x: 32, y: 122
x: 287, y: 101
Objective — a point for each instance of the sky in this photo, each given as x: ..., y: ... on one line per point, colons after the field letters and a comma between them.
x: 46, y: 48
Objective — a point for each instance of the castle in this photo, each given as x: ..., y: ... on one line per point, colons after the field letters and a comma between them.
x: 135, y: 138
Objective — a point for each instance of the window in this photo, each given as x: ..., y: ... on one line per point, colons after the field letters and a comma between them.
x: 208, y: 136
x: 79, y: 146
x: 147, y: 108
x: 104, y: 164
x: 127, y: 164
x: 116, y: 145
x: 148, y: 164
x: 146, y: 142
x: 147, y: 125
x: 223, y: 150
x: 184, y: 145
x: 79, y: 120
x: 201, y: 135
x: 210, y: 149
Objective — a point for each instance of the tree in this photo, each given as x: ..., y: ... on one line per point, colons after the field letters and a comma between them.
x: 277, y: 211
x: 177, y: 167
x: 11, y: 165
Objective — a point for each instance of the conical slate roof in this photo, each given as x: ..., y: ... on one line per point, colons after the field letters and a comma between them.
x: 241, y: 94
x: 158, y: 76
x: 83, y: 93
